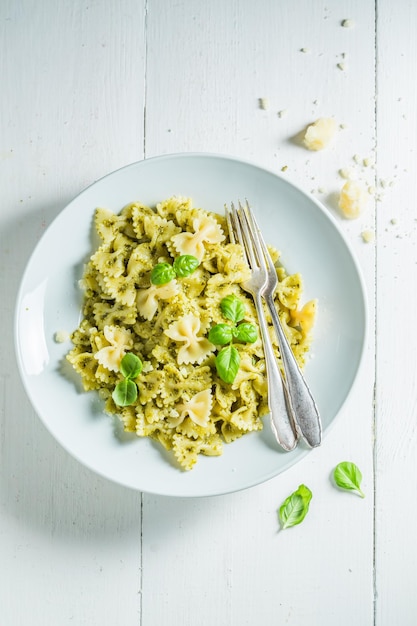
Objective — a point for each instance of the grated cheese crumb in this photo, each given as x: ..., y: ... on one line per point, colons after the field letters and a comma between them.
x: 348, y: 23
x: 368, y: 162
x: 368, y: 236
x: 341, y: 66
x: 264, y: 103
x: 61, y: 336
x: 282, y: 113
x: 347, y: 173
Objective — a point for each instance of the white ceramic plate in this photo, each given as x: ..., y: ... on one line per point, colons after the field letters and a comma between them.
x: 49, y: 301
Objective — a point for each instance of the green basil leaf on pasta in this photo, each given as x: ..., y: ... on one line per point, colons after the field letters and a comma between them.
x: 162, y: 273
x: 246, y: 332
x: 233, y: 308
x: 348, y: 476
x: 125, y: 392
x: 227, y: 363
x: 294, y: 509
x: 220, y: 334
x: 130, y: 365
x: 185, y: 265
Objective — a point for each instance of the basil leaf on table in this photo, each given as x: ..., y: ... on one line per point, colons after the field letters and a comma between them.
x: 185, y: 265
x: 246, y: 332
x: 227, y: 363
x: 220, y: 334
x: 232, y: 308
x: 348, y: 476
x: 125, y: 392
x: 130, y: 365
x: 162, y: 273
x: 294, y: 509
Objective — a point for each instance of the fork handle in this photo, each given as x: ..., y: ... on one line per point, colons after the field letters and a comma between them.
x: 304, y: 407
x: 282, y: 424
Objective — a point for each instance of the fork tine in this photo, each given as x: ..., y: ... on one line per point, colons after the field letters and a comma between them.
x: 237, y: 234
x: 246, y: 238
x: 259, y: 237
x: 252, y: 242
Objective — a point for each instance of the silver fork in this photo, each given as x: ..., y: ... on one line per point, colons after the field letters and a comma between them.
x: 282, y: 424
x: 304, y: 408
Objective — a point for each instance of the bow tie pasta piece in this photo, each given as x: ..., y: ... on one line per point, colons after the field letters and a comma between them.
x: 159, y: 230
x: 289, y: 291
x: 186, y: 450
x: 206, y: 231
x: 171, y: 208
x: 108, y: 262
x: 121, y: 290
x: 108, y: 224
x: 113, y: 314
x: 139, y: 212
x: 305, y: 317
x: 141, y: 260
x: 198, y: 408
x: 119, y: 340
x: 147, y: 299
x: 195, y: 347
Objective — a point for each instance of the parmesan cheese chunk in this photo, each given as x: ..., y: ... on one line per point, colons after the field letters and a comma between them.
x: 319, y: 134
x: 368, y: 236
x: 353, y: 199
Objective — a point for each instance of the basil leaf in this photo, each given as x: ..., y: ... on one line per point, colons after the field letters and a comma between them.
x: 220, y: 334
x: 227, y: 363
x: 294, y: 509
x: 125, y: 392
x: 246, y: 332
x: 162, y: 273
x: 185, y: 265
x: 348, y: 476
x: 232, y: 308
x: 130, y: 365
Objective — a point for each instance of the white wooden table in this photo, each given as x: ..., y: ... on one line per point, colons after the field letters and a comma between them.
x: 87, y: 87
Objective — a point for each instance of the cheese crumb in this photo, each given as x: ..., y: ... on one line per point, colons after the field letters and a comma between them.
x: 368, y: 236
x: 319, y: 134
x: 61, y: 336
x: 352, y: 200
x: 282, y: 113
x: 341, y: 66
x: 264, y: 103
x: 305, y: 50
x: 347, y: 173
x: 284, y: 168
x: 348, y: 23
x: 368, y: 162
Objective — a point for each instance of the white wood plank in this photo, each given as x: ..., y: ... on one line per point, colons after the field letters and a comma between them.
x: 72, y: 110
x: 221, y: 560
x: 396, y: 450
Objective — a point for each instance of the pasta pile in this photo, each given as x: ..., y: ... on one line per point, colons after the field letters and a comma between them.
x: 182, y: 402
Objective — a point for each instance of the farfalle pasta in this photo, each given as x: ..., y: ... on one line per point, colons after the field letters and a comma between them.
x: 182, y: 402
